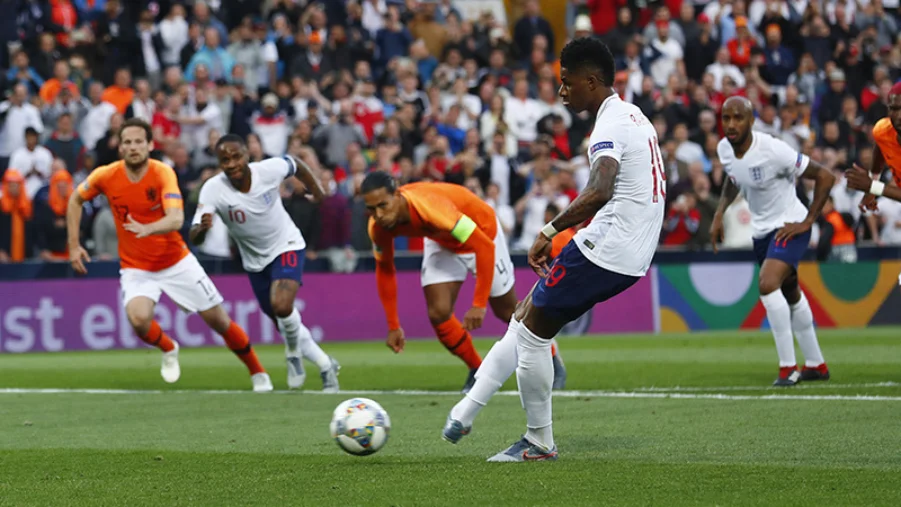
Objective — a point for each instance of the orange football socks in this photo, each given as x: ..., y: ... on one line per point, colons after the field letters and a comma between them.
x: 156, y: 337
x: 236, y: 340
x: 458, y: 341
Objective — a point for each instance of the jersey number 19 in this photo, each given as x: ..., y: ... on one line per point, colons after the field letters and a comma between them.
x: 657, y: 170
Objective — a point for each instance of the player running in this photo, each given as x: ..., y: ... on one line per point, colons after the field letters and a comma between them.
x: 764, y: 169
x: 246, y: 197
x: 625, y: 195
x: 148, y: 210
x: 462, y: 234
x: 887, y: 153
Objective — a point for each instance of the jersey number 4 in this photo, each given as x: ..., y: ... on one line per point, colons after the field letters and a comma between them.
x: 658, y: 172
x: 236, y: 215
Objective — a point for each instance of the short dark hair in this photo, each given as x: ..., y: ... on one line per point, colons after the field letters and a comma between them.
x: 588, y: 53
x: 231, y: 138
x: 138, y: 123
x: 376, y: 180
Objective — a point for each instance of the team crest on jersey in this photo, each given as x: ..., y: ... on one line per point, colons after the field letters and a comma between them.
x: 756, y: 174
x: 267, y: 198
x: 151, y: 194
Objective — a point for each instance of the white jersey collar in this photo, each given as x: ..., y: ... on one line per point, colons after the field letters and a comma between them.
x: 606, y: 102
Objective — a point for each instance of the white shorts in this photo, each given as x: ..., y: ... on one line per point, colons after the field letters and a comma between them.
x: 440, y: 265
x: 186, y: 283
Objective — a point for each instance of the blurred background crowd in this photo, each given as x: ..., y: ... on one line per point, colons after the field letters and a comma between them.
x: 430, y: 90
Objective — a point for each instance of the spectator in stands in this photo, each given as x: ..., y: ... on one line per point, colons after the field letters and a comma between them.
x: 530, y: 25
x: 683, y: 221
x: 15, y: 214
x: 837, y: 237
x: 51, y: 241
x: 66, y: 144
x: 33, y: 162
x: 106, y: 151
x: 16, y: 115
x: 103, y: 230
x: 335, y: 239
x: 23, y: 73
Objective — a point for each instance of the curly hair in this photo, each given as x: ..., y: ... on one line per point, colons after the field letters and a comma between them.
x: 588, y: 53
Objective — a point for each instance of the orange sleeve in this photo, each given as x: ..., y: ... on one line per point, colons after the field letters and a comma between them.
x: 561, y: 241
x: 385, y: 273
x: 484, y: 250
x: 93, y: 185
x: 171, y: 193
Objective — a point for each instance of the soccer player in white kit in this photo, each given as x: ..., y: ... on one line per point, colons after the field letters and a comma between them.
x: 765, y: 169
x: 246, y: 196
x: 626, y: 194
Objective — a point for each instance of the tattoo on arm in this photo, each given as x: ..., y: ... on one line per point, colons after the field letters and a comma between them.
x: 730, y: 192
x: 824, y: 181
x: 596, y: 194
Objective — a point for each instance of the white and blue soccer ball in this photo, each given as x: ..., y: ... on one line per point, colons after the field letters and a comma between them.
x: 360, y: 426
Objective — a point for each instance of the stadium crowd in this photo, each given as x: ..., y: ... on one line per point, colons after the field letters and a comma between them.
x: 415, y: 89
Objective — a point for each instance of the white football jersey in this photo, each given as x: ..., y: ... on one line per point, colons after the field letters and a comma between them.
x: 622, y: 237
x: 257, y: 220
x: 766, y: 175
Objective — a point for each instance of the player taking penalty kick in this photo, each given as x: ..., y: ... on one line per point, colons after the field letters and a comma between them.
x: 246, y: 198
x: 148, y: 211
x: 625, y: 196
x: 765, y: 169
x: 462, y: 235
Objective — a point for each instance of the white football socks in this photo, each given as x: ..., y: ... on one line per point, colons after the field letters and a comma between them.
x: 297, y: 336
x: 802, y: 325
x: 497, y: 367
x: 535, y: 375
x: 779, y: 314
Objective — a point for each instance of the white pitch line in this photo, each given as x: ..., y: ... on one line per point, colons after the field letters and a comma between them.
x: 765, y: 388
x: 557, y: 394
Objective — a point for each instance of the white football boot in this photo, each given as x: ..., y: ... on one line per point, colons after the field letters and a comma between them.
x: 170, y: 370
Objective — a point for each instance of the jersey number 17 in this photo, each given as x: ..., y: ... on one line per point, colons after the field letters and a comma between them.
x: 658, y: 172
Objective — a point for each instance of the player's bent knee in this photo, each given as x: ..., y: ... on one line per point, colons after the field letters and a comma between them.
x: 282, y: 307
x: 768, y: 285
x: 140, y: 315
x: 439, y: 314
x: 216, y: 318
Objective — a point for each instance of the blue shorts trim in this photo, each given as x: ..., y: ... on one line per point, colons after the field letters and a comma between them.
x: 287, y: 266
x: 575, y: 284
x: 789, y: 252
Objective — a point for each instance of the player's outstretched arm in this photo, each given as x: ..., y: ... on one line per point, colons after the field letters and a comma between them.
x: 306, y: 175
x: 730, y: 192
x: 860, y: 179
x: 595, y: 195
x: 198, y: 231
x: 77, y: 255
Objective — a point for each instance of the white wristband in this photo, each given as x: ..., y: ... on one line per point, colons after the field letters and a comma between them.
x: 549, y: 230
x: 876, y: 188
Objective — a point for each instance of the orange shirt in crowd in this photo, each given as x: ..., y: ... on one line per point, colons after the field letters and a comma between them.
x: 146, y: 202
x: 442, y: 212
x: 119, y: 97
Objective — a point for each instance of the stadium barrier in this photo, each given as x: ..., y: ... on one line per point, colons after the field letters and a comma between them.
x: 686, y: 291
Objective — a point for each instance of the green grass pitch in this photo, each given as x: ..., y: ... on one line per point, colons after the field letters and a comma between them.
x: 649, y: 420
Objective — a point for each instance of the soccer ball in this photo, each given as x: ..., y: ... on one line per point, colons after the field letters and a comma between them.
x: 360, y: 426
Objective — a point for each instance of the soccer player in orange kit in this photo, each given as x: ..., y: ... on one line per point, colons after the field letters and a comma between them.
x: 887, y: 153
x: 148, y: 211
x: 462, y: 235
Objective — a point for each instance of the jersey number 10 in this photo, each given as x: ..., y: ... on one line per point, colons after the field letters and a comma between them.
x: 658, y: 172
x: 236, y: 215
